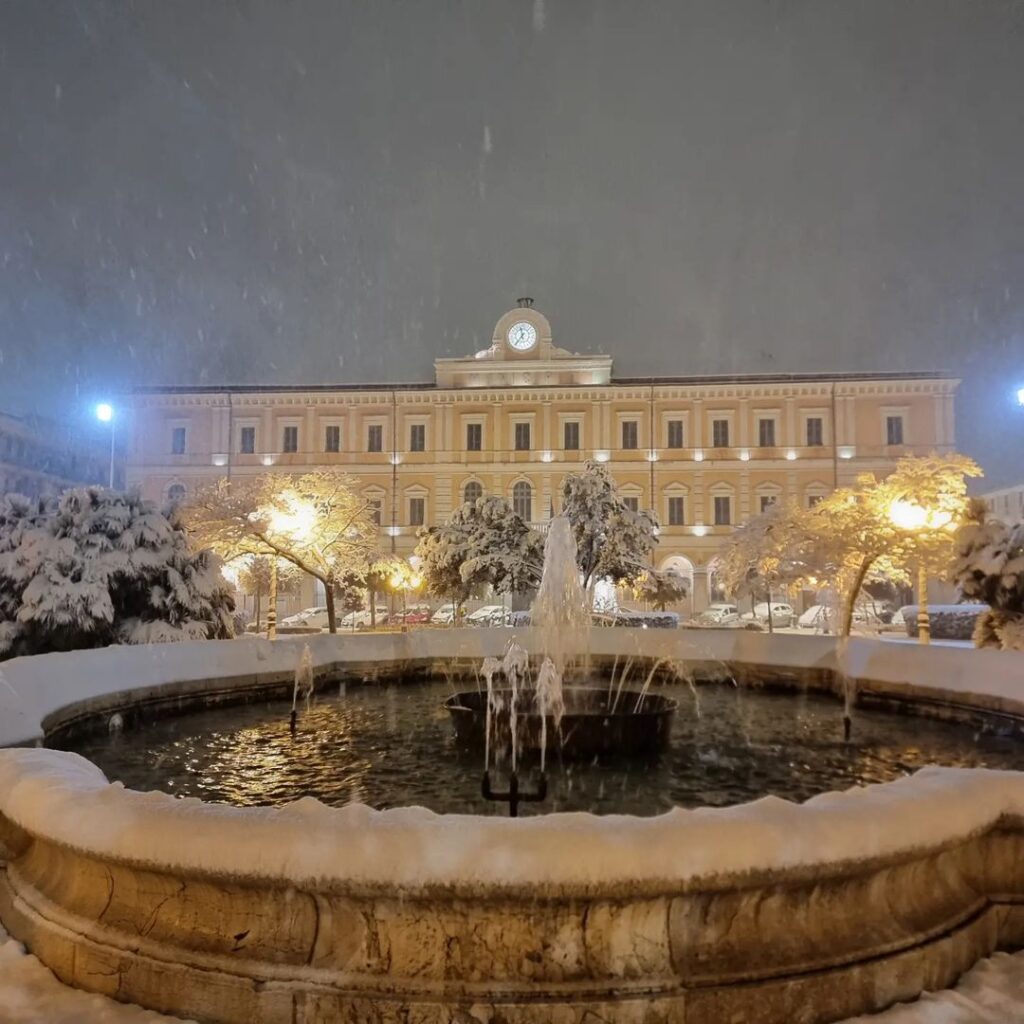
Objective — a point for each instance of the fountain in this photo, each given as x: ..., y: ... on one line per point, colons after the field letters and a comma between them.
x: 530, y: 710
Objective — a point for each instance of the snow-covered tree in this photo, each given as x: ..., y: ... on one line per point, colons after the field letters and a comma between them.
x: 95, y: 567
x: 660, y: 588
x: 253, y: 575
x: 316, y: 521
x: 612, y: 541
x: 989, y: 567
x: 903, y: 522
x: 766, y: 553
x: 483, y: 542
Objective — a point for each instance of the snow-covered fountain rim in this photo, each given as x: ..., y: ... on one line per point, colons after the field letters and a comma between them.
x: 64, y: 799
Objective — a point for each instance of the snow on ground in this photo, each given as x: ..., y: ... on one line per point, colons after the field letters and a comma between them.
x: 30, y: 994
x: 992, y: 993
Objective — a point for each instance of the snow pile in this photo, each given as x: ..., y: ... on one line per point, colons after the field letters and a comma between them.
x: 30, y: 994
x: 67, y: 799
x: 95, y: 567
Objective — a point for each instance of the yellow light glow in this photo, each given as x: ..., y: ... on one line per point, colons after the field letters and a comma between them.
x: 295, y: 518
x: 908, y: 515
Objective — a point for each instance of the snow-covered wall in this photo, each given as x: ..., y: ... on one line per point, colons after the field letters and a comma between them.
x: 34, y: 689
x: 765, y: 913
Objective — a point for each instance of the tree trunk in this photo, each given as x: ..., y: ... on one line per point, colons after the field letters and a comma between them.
x: 332, y: 625
x: 924, y: 624
x: 373, y: 606
x: 851, y: 600
x: 272, y: 602
x: 771, y: 623
x: 259, y: 594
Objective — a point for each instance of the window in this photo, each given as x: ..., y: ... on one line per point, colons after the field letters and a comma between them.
x: 813, y: 499
x: 290, y: 439
x: 720, y: 433
x: 522, y: 500
x: 473, y: 491
x: 178, y: 441
x: 815, y: 432
x: 723, y: 511
x: 633, y: 504
x: 767, y: 500
x: 676, y: 511
x: 332, y: 438
x: 418, y: 437
x: 247, y: 441
x: 375, y: 438
x: 675, y: 433
x: 474, y: 437
x: 894, y: 430
x: 522, y: 437
x: 571, y: 437
x: 629, y: 434
x: 417, y: 511
x: 766, y: 433
x: 176, y: 494
x: 375, y: 506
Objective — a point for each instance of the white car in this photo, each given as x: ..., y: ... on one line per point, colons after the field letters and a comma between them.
x: 488, y: 615
x: 719, y: 614
x: 361, y: 618
x: 312, y: 617
x: 822, y: 618
x: 782, y: 614
x: 444, y: 616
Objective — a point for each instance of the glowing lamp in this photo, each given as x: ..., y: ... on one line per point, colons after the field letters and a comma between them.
x: 104, y: 412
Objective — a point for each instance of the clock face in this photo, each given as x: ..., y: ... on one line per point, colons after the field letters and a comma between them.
x: 522, y: 336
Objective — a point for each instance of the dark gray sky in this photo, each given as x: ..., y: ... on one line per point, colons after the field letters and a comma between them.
x: 203, y: 191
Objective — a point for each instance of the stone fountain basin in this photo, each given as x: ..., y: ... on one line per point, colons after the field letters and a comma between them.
x: 640, y: 724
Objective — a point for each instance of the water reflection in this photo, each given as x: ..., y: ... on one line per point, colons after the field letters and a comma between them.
x: 392, y: 745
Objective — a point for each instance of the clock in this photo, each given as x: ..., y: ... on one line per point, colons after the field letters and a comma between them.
x: 522, y: 336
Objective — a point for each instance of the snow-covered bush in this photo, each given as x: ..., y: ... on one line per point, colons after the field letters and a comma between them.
x: 945, y: 621
x: 989, y: 567
x: 644, y: 620
x: 94, y: 567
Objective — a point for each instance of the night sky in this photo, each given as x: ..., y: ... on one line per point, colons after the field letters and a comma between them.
x: 203, y: 191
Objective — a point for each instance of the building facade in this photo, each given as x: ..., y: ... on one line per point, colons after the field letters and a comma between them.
x: 39, y: 457
x: 705, y: 453
x: 1007, y: 503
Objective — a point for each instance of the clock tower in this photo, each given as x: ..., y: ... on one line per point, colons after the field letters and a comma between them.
x: 522, y: 353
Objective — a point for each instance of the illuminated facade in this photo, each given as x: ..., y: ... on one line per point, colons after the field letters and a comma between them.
x: 705, y: 453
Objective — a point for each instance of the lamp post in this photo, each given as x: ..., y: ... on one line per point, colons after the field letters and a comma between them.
x: 105, y: 414
x: 1020, y: 396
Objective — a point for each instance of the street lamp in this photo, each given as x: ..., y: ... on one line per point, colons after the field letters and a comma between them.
x: 1020, y: 396
x: 909, y: 516
x: 105, y: 414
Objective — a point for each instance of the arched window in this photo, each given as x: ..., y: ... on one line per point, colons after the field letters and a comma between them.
x: 472, y: 491
x: 176, y: 494
x: 522, y: 500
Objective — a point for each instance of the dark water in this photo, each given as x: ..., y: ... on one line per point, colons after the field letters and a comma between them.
x: 392, y: 745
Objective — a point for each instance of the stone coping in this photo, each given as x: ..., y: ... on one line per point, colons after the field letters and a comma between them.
x: 38, y: 693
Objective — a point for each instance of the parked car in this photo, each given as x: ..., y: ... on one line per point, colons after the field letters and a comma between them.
x: 488, y: 615
x: 443, y: 616
x: 782, y: 614
x: 719, y: 614
x: 414, y: 615
x: 823, y: 619
x: 308, y: 618
x: 361, y: 618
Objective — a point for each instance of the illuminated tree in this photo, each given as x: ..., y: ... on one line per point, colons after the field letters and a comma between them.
x: 768, y: 552
x: 905, y: 521
x: 252, y: 575
x: 317, y: 522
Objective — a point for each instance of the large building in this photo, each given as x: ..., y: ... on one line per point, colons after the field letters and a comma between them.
x: 1006, y: 504
x: 704, y: 452
x: 40, y: 457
